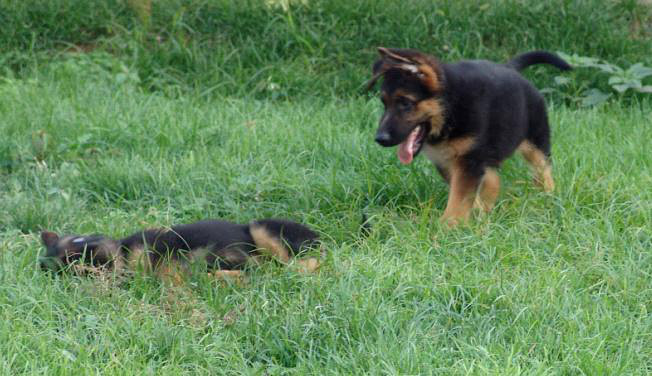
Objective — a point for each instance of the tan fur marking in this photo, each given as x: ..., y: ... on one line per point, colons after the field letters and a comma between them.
x: 461, y: 146
x: 540, y: 165
x: 269, y: 243
x: 432, y: 110
x: 138, y: 258
x: 119, y: 264
x: 171, y: 272
x: 231, y: 276
x: 447, y: 157
x: 225, y: 274
x: 308, y: 265
x: 460, y: 198
x: 109, y: 250
x: 401, y: 93
x: 446, y: 153
x: 198, y: 254
x: 430, y: 78
x: 488, y: 192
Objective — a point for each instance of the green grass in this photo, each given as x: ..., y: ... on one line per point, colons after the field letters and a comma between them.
x: 237, y: 110
x: 225, y: 47
x: 546, y: 284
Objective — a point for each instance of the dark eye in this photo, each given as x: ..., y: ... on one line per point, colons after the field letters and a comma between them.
x: 404, y: 103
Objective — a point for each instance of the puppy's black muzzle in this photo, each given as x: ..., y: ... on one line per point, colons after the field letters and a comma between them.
x: 384, y: 138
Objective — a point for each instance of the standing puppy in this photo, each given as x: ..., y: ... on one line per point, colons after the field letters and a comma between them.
x: 467, y: 117
x: 224, y: 247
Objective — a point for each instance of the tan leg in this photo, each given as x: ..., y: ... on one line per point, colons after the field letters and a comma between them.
x: 461, y: 197
x: 138, y: 259
x: 226, y: 274
x: 488, y: 192
x: 230, y: 276
x: 308, y: 265
x: 540, y: 165
x: 171, y: 273
x: 269, y: 244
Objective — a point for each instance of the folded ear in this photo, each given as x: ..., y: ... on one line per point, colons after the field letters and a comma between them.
x: 49, y: 238
x: 394, y: 54
x: 413, y: 62
x: 390, y: 59
x: 398, y: 59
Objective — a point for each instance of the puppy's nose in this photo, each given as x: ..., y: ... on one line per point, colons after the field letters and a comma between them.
x: 384, y: 138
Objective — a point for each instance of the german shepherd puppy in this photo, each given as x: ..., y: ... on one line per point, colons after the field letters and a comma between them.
x: 225, y: 247
x: 467, y: 117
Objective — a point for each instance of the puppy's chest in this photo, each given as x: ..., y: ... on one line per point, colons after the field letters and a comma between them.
x: 440, y: 154
x: 444, y: 153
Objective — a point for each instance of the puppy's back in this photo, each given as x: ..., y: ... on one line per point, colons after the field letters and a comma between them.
x: 187, y: 237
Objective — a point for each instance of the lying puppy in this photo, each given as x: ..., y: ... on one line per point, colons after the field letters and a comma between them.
x: 225, y: 247
x: 467, y: 117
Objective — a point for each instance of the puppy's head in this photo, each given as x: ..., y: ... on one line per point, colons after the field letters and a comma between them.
x: 411, y: 92
x: 95, y: 250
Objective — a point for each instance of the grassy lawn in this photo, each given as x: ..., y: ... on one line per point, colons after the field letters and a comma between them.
x: 546, y: 284
x: 116, y: 115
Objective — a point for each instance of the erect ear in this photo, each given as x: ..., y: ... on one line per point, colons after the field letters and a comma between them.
x: 49, y: 238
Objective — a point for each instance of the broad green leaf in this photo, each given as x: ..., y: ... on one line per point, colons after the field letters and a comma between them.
x: 608, y: 68
x: 616, y: 80
x: 639, y: 71
x: 594, y: 97
x: 621, y: 88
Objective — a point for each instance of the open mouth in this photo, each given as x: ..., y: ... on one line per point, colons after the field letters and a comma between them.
x: 409, y: 148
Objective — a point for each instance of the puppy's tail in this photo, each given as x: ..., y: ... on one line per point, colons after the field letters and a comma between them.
x: 523, y: 61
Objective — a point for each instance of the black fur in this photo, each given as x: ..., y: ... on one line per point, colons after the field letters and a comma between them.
x: 228, y: 245
x: 523, y: 61
x: 178, y: 242
x: 497, y: 106
x: 488, y: 100
x: 469, y: 115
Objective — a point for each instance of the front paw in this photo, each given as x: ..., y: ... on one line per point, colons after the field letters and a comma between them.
x: 451, y: 221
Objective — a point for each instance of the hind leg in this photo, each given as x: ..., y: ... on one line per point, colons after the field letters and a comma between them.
x: 539, y: 161
x: 536, y: 146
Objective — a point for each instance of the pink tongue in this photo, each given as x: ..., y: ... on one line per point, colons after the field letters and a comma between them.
x: 406, y: 148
